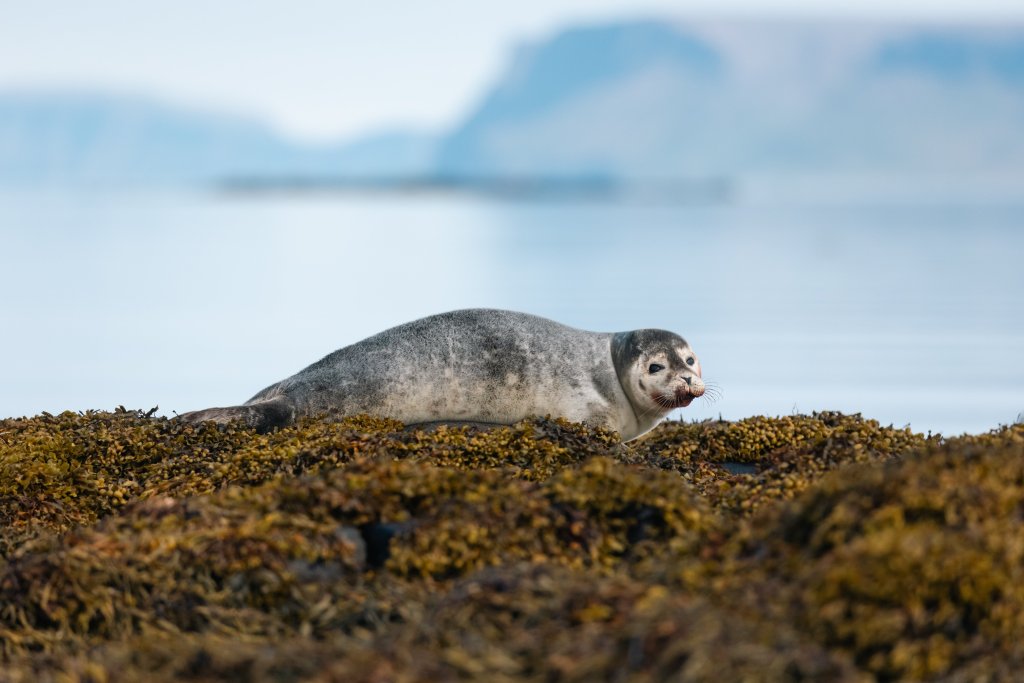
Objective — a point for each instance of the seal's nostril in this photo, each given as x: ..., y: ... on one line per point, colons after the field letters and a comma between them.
x: 689, y: 381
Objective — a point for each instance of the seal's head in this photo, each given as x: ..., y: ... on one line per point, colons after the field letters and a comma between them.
x: 657, y: 369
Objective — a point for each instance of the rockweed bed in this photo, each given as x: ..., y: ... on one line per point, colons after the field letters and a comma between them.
x: 822, y: 547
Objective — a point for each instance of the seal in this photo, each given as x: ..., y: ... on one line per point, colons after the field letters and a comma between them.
x: 491, y: 367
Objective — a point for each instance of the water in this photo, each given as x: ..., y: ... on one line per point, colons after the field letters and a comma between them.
x: 908, y: 312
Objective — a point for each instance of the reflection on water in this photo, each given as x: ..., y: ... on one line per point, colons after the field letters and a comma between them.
x: 909, y: 313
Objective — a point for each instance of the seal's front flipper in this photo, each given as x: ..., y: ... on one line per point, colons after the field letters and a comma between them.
x: 263, y: 416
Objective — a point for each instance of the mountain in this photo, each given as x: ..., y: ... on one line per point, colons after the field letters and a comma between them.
x: 957, y: 55
x: 595, y: 101
x: 55, y: 138
x: 648, y: 100
x: 659, y: 99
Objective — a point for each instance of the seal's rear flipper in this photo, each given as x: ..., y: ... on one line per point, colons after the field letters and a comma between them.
x: 263, y: 416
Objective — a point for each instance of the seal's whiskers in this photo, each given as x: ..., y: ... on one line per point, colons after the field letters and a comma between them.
x: 712, y: 393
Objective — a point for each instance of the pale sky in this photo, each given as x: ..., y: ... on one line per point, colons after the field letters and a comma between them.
x: 320, y: 69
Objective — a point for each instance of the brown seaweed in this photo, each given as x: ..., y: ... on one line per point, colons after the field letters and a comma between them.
x: 140, y: 548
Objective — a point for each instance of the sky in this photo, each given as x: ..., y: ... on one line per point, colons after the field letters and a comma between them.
x: 332, y: 69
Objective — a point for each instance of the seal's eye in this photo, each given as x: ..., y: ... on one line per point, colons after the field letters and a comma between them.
x: 690, y: 361
x: 655, y: 368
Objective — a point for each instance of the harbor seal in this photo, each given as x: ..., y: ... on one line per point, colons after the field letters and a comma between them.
x: 487, y: 366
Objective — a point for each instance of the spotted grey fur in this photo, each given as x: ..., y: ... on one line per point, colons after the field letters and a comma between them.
x: 487, y: 366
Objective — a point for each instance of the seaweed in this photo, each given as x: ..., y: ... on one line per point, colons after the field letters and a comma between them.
x: 913, y: 567
x: 805, y: 547
x: 784, y: 455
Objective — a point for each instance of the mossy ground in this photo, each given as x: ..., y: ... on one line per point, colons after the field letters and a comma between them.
x: 822, y: 547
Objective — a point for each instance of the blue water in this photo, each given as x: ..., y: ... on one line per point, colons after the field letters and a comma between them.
x: 909, y: 312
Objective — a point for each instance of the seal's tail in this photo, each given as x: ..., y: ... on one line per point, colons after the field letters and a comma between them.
x: 263, y: 416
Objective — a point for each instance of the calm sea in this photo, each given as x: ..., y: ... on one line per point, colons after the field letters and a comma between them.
x: 909, y: 310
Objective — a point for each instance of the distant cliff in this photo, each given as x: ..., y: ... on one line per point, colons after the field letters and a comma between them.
x: 55, y: 138
x: 637, y: 100
x: 656, y: 99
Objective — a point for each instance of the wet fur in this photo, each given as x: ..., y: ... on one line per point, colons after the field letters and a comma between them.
x: 477, y: 365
